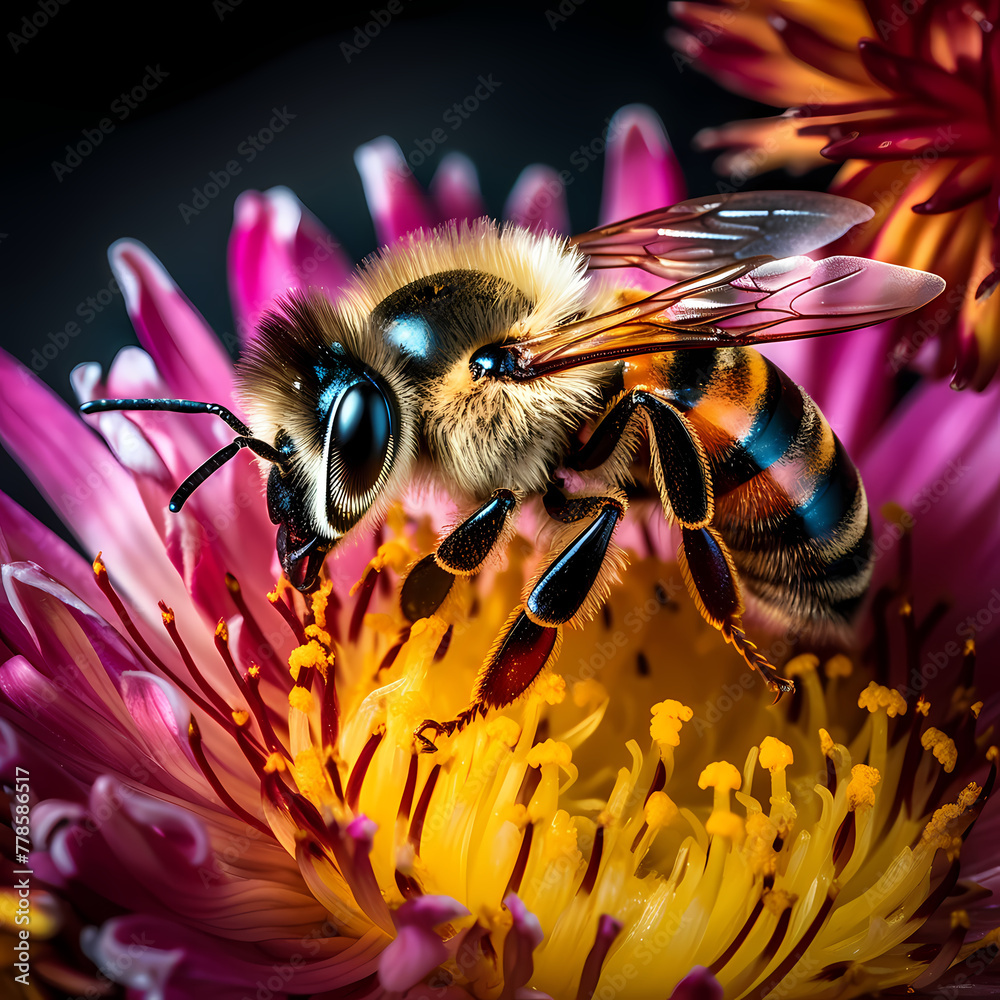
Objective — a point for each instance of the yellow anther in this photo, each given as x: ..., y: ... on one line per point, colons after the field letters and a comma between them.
x: 98, y: 565
x: 221, y: 632
x: 992, y: 754
x: 975, y: 709
x: 254, y: 671
x: 551, y: 689
x: 861, y: 788
x: 826, y: 743
x: 668, y: 716
x: 310, y: 776
x: 774, y: 755
x: 320, y: 635
x: 959, y: 918
x: 938, y: 831
x: 589, y: 694
x: 659, y: 810
x: 776, y: 901
x: 905, y: 610
x: 969, y: 647
x: 720, y: 775
x: 549, y: 752
x: 725, y: 824
x: 167, y: 614
x: 839, y: 666
x: 312, y: 654
x: 517, y: 813
x: 876, y: 696
x: 507, y: 731
x: 274, y: 763
x: 804, y: 663
x: 301, y: 699
x: 240, y: 716
x: 896, y: 514
x: 967, y: 796
x: 943, y: 747
x: 923, y: 706
x: 319, y: 600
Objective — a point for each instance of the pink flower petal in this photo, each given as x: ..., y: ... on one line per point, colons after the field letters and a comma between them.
x: 411, y: 956
x: 455, y: 189
x: 23, y: 539
x: 277, y: 245
x: 641, y: 172
x: 161, y: 713
x: 186, y: 351
x: 396, y: 203
x: 538, y: 201
x: 518, y: 950
x: 87, y: 487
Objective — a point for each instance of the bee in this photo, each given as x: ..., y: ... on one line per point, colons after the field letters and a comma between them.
x: 495, y: 363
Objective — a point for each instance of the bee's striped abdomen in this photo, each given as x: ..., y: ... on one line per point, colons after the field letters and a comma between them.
x: 788, y: 500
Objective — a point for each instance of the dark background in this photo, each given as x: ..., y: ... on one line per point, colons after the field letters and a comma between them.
x: 564, y: 70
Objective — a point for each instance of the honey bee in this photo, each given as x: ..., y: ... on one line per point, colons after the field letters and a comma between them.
x: 494, y: 363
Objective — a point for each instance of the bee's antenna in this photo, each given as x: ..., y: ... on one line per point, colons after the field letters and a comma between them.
x: 218, y: 460
x: 258, y: 447
x: 173, y: 405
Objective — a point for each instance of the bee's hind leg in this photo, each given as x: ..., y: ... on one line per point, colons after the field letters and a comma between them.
x: 682, y: 474
x: 708, y: 570
x: 531, y: 636
x: 461, y: 553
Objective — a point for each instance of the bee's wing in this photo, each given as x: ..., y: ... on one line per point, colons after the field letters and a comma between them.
x: 683, y: 240
x: 754, y: 302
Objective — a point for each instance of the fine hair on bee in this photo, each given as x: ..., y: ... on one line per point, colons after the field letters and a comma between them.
x: 477, y: 359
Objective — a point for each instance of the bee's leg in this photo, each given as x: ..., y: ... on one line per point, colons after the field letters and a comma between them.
x: 461, y: 553
x: 708, y: 570
x: 682, y: 474
x: 530, y: 639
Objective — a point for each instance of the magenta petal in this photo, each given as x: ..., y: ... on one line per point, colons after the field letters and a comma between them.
x: 523, y: 938
x: 186, y: 351
x: 277, y: 245
x: 455, y: 189
x: 396, y: 203
x: 538, y: 201
x: 698, y: 984
x: 161, y: 714
x: 411, y: 956
x: 641, y: 172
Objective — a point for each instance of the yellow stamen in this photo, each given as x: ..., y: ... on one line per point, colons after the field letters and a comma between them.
x: 923, y: 706
x: 301, y: 699
x: 839, y: 666
x: 976, y: 708
x: 861, y: 790
x: 221, y: 632
x: 240, y: 716
x: 943, y: 747
x: 876, y: 696
x: 668, y: 716
x: 275, y: 762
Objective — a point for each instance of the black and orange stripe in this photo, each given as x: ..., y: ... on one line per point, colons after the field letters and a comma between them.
x: 789, y: 503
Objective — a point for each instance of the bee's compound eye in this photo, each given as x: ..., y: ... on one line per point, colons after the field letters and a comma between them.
x: 360, y: 446
x: 360, y: 428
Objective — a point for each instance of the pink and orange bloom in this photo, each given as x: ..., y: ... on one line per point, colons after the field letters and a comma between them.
x: 226, y: 801
x: 906, y: 96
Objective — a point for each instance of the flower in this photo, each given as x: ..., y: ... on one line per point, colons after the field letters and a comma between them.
x: 223, y: 784
x: 903, y: 96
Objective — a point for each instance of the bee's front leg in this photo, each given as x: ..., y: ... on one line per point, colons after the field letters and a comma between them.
x: 564, y: 590
x: 462, y: 552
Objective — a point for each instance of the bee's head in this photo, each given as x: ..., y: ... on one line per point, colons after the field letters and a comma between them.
x: 330, y: 400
